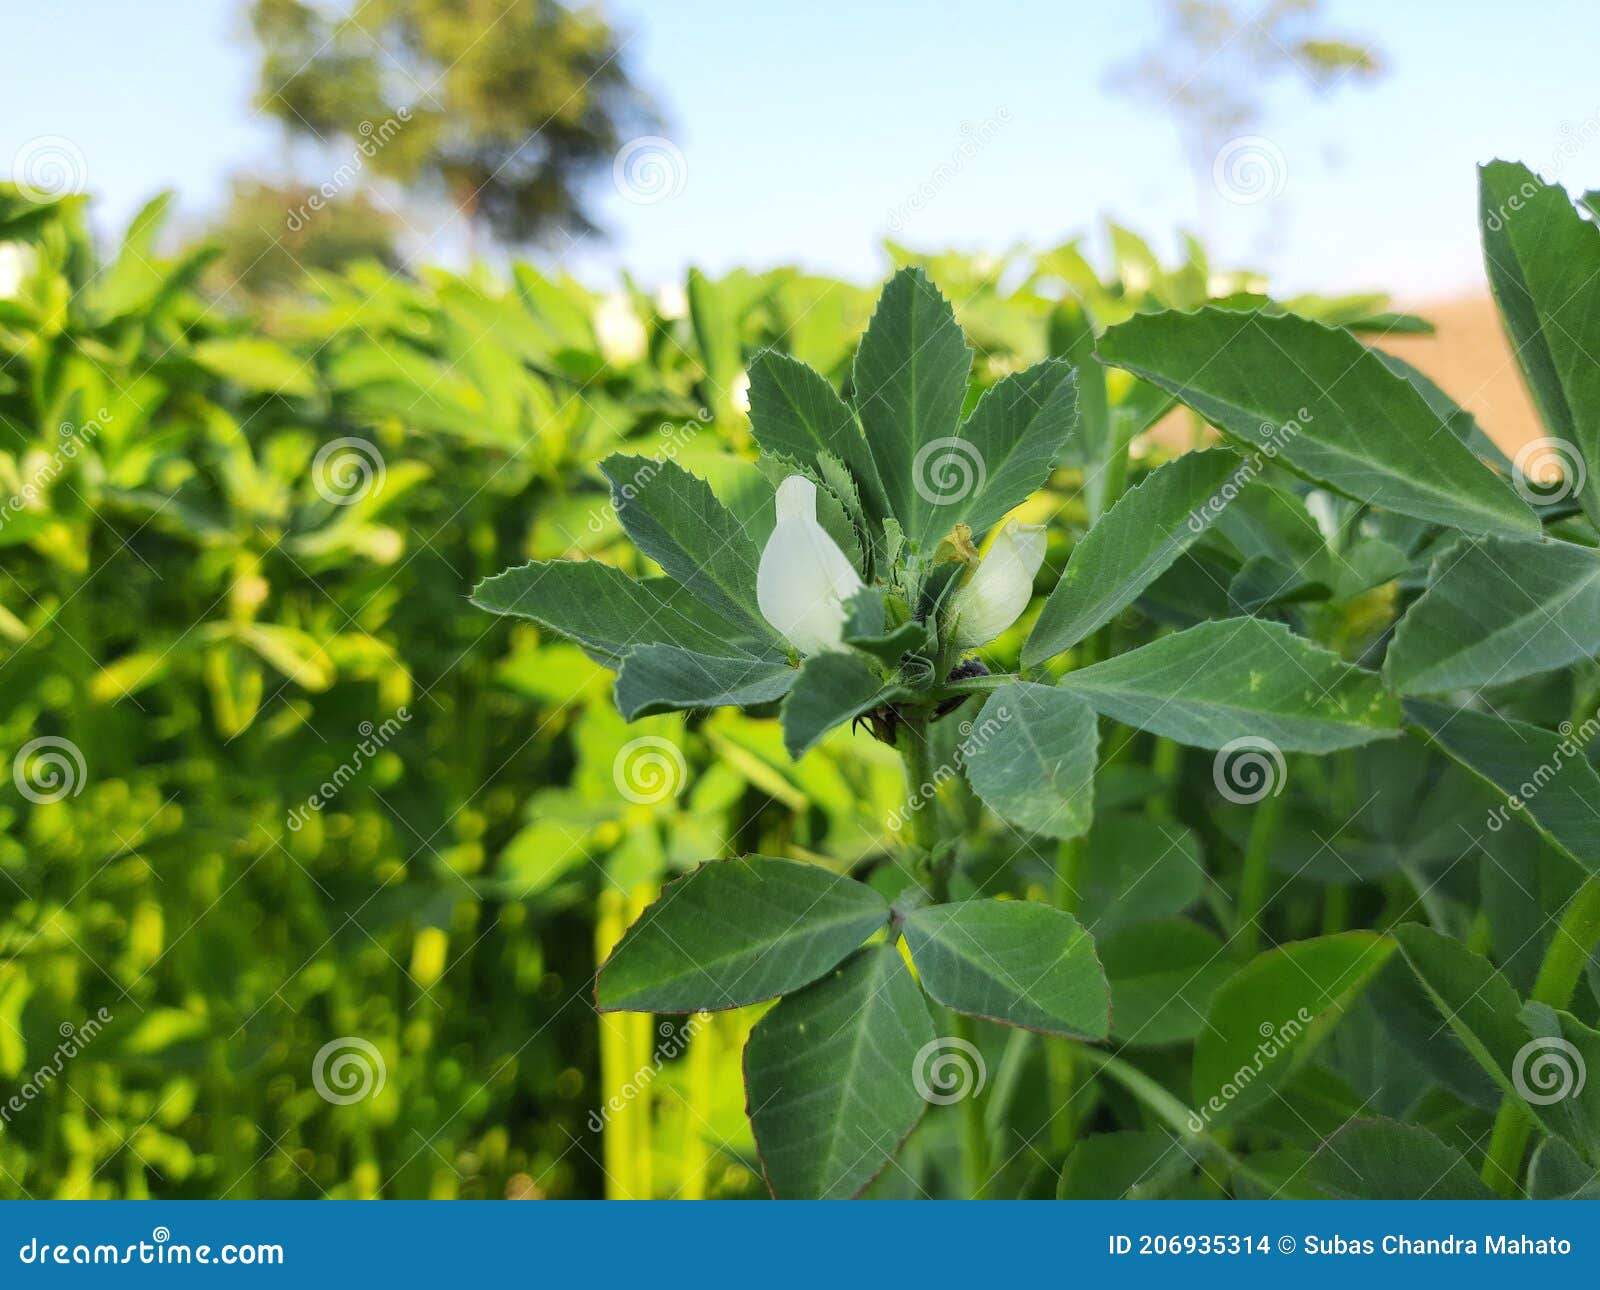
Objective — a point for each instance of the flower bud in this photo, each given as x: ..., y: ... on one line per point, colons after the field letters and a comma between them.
x: 804, y: 578
x: 999, y: 589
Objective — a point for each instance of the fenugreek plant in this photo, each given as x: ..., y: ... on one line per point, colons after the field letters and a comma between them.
x: 866, y: 588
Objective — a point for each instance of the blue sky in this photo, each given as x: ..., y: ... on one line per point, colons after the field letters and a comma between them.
x: 803, y: 128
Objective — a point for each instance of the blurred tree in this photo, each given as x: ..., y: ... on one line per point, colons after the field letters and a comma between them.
x: 270, y: 234
x: 501, y: 107
x: 1210, y: 63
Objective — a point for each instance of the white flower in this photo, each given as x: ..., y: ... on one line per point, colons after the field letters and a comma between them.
x: 16, y: 263
x: 804, y: 578
x: 1000, y: 587
x: 618, y: 331
x: 739, y: 392
x: 672, y: 301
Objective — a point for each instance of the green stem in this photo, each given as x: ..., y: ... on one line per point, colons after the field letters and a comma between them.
x: 915, y: 749
x: 1257, y: 871
x: 1575, y: 940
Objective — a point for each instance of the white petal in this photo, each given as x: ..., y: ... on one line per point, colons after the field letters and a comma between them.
x: 1000, y: 588
x: 804, y: 578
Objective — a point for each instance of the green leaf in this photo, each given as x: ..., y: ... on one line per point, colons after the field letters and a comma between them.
x: 606, y: 611
x: 910, y: 380
x: 1473, y: 998
x: 1557, y: 1172
x: 736, y: 932
x: 1136, y: 868
x: 1019, y: 431
x: 1542, y: 260
x: 1264, y: 1024
x: 1325, y: 403
x: 1240, y: 678
x: 676, y: 520
x: 1543, y: 775
x: 1035, y: 769
x: 795, y: 413
x: 1497, y: 611
x: 1013, y: 961
x: 664, y: 678
x: 1134, y: 544
x: 260, y: 365
x: 1108, y: 1166
x: 1163, y: 976
x: 832, y: 688
x: 1382, y: 1159
x: 829, y: 1077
